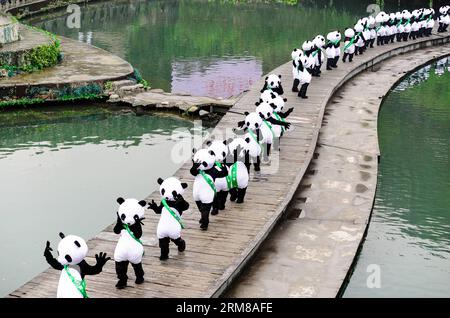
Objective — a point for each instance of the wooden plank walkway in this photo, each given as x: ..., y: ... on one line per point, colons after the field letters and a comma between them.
x: 214, y: 258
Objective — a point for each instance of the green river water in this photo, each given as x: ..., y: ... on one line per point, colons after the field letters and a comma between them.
x: 61, y: 170
x: 409, y: 233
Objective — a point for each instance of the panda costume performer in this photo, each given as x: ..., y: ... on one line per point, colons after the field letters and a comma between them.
x: 301, y: 74
x: 359, y: 39
x: 392, y: 27
x: 204, y: 190
x: 278, y: 104
x: 416, y: 25
x: 400, y: 26
x: 129, y: 248
x: 406, y: 24
x: 238, y: 163
x: 373, y: 33
x: 220, y: 150
x: 349, y: 45
x: 380, y: 19
x: 332, y: 49
x: 171, y: 209
x: 72, y: 251
x: 443, y: 18
x: 428, y: 15
x: 273, y: 83
x: 308, y: 49
x: 319, y: 43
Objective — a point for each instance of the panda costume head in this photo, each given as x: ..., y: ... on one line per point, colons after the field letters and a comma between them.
x: 72, y: 250
x: 295, y: 53
x: 273, y: 82
x: 359, y: 28
x: 381, y: 17
x: 205, y: 158
x: 273, y: 98
x: 334, y: 36
x: 349, y: 33
x: 307, y: 46
x: 219, y: 148
x: 406, y: 14
x: 265, y: 110
x: 319, y: 41
x: 253, y: 121
x: 131, y: 210
x: 171, y: 188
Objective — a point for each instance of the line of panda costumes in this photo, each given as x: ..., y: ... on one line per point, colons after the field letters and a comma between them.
x: 171, y: 209
x: 129, y: 248
x: 72, y: 251
x: 443, y: 18
x: 261, y: 128
x: 333, y: 49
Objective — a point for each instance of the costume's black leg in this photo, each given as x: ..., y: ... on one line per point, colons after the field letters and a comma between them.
x: 199, y: 206
x: 223, y: 199
x: 164, y: 246
x: 139, y: 272
x: 344, y: 57
x: 303, y: 90
x: 233, y: 194
x: 329, y: 64
x: 121, y: 271
x: 268, y: 149
x: 216, y: 204
x: 350, y: 58
x: 295, y: 85
x: 257, y: 164
x: 335, y: 60
x: 206, y: 209
x: 241, y: 195
x: 180, y: 243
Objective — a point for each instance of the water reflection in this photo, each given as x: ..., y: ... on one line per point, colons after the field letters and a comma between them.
x: 409, y: 235
x: 209, y: 41
x: 221, y: 77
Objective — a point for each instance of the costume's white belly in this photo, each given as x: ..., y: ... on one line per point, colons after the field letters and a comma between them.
x: 66, y: 288
x: 201, y: 190
x: 128, y: 249
x: 168, y: 226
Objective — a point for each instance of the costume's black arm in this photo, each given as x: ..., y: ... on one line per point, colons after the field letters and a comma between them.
x: 155, y: 207
x: 264, y: 87
x: 181, y: 204
x: 194, y: 168
x: 53, y: 262
x: 118, y: 227
x: 278, y: 122
x: 136, y: 228
x: 86, y: 269
x: 286, y: 113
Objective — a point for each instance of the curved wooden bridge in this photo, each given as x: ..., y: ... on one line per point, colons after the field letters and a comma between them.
x: 213, y: 259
